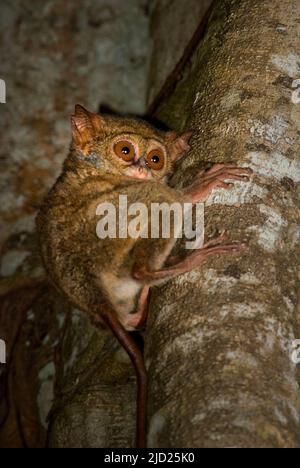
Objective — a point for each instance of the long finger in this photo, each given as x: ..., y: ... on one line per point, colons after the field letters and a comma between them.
x: 232, y: 170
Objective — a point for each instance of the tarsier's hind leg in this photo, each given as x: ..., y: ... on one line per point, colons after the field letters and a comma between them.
x: 193, y: 260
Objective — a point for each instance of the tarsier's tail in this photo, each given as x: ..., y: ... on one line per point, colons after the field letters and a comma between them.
x: 137, y: 359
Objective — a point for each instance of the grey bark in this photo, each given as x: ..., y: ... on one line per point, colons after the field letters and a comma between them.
x: 220, y: 339
x: 173, y: 26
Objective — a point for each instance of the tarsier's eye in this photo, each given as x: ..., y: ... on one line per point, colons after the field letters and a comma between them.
x: 156, y: 160
x: 124, y: 150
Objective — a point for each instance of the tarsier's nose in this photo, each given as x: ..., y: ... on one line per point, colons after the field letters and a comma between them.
x: 141, y: 164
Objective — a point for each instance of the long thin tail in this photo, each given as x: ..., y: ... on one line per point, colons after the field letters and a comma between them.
x: 137, y: 359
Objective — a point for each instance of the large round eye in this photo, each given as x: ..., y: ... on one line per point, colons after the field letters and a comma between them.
x: 156, y: 160
x: 125, y: 150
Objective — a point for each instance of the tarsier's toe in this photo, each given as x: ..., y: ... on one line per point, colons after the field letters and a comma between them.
x: 217, y: 241
x: 240, y: 247
x: 232, y: 249
x: 249, y: 170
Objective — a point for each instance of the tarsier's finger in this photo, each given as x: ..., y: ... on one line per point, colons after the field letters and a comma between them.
x: 239, y: 170
x: 216, y: 249
x: 214, y: 242
x: 233, y: 248
x: 221, y: 167
x: 201, y: 193
x: 233, y: 171
x: 228, y: 174
x: 217, y: 170
x: 198, y: 257
x: 214, y: 184
x: 246, y: 170
x: 221, y: 184
x: 225, y: 249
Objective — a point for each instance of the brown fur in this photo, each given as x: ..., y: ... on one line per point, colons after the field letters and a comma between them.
x: 81, y: 265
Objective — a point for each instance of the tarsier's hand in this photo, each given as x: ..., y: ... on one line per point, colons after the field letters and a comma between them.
x: 215, y: 178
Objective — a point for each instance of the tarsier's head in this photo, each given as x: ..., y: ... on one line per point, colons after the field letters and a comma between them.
x: 126, y: 146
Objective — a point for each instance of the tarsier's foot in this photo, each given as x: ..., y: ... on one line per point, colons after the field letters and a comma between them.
x: 215, y: 178
x: 194, y: 260
x: 132, y: 322
x: 174, y: 260
x: 216, y: 241
x: 137, y: 320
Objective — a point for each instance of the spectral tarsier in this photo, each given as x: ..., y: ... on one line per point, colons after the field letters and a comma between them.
x: 110, y: 278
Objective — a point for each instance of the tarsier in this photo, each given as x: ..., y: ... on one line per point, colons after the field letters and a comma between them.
x: 110, y: 278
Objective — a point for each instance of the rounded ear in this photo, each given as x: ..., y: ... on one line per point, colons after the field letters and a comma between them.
x: 85, y: 125
x: 178, y: 144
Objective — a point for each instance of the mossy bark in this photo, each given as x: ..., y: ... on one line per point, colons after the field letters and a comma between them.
x: 219, y: 340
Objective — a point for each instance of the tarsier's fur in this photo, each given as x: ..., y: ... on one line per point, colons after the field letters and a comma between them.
x: 109, y: 278
x: 80, y: 264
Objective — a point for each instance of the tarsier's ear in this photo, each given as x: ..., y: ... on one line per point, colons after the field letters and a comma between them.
x: 85, y: 125
x: 178, y: 144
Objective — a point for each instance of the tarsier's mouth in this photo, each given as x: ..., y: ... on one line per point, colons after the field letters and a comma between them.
x: 138, y: 172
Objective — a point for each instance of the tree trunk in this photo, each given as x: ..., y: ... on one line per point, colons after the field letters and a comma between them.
x: 219, y: 340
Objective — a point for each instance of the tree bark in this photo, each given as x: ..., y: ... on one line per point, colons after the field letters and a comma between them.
x: 219, y: 339
x: 176, y: 28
